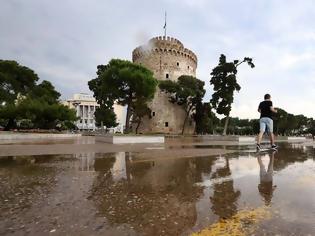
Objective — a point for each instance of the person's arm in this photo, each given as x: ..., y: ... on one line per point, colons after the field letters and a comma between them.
x: 259, y: 110
x: 273, y: 109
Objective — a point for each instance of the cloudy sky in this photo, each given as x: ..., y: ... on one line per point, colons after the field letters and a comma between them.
x: 64, y: 41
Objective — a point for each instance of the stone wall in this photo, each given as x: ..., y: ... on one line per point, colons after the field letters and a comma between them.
x: 168, y: 59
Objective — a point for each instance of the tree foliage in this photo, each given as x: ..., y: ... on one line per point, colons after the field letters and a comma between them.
x: 238, y: 126
x: 206, y: 120
x: 289, y: 124
x: 46, y: 92
x: 311, y: 128
x: 25, y: 104
x: 15, y: 80
x: 223, y: 79
x: 105, y: 116
x: 284, y: 124
x: 123, y: 82
x: 187, y: 92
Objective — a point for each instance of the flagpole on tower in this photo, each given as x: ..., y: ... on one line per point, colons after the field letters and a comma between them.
x: 165, y: 26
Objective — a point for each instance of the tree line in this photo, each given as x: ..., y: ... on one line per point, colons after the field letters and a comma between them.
x: 285, y: 124
x: 27, y: 104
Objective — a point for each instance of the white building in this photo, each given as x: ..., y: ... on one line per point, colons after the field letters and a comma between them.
x: 85, y: 105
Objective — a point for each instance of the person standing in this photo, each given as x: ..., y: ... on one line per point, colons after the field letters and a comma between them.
x: 266, y: 110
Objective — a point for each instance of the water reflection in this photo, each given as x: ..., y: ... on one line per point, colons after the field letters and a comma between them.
x: 266, y: 186
x: 86, y: 163
x: 154, y: 197
x: 158, y: 196
x: 165, y: 196
x: 224, y: 199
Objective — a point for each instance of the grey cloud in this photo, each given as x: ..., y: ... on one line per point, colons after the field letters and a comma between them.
x: 65, y: 41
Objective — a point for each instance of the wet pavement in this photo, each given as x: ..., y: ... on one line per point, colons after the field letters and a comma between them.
x: 134, y: 193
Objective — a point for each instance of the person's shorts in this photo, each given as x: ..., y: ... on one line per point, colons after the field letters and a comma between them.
x: 266, y: 125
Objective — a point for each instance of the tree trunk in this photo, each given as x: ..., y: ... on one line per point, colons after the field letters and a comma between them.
x: 226, y: 124
x: 187, y: 114
x: 138, y: 125
x: 11, y: 124
x: 128, y: 118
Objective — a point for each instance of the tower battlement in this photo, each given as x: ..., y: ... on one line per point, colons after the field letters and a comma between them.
x: 164, y: 45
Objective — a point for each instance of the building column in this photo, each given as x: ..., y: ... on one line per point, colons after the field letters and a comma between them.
x: 88, y: 113
x: 78, y: 110
x: 81, y: 117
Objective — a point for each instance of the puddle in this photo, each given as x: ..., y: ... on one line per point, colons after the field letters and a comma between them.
x: 270, y: 193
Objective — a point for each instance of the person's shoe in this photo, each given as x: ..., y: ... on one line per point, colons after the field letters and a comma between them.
x: 258, y: 148
x: 274, y: 147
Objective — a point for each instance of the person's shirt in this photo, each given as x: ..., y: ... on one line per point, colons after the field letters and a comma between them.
x: 265, y: 109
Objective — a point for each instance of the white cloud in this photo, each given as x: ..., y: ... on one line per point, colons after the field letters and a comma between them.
x: 65, y: 44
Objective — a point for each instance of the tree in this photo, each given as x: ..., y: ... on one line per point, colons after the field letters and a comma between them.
x: 223, y: 79
x: 123, y: 82
x: 46, y: 92
x: 15, y: 80
x: 38, y: 113
x: 187, y: 92
x: 140, y: 109
x: 26, y: 104
x: 206, y: 120
x: 105, y: 116
x: 42, y: 114
x: 311, y: 128
x: 302, y: 123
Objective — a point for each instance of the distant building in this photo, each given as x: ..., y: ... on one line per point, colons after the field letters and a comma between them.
x: 85, y: 106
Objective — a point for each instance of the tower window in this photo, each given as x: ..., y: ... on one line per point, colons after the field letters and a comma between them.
x: 166, y: 124
x: 187, y: 67
x: 177, y: 63
x: 167, y: 76
x: 153, y: 113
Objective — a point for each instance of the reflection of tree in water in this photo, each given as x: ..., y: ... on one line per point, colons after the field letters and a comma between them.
x: 103, y: 166
x: 156, y: 197
x: 204, y: 165
x: 287, y: 156
x: 224, y: 199
x: 25, y: 180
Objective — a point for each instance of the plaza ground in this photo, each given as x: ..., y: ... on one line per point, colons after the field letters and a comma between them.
x: 77, y: 186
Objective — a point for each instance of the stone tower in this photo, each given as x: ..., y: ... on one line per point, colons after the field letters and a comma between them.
x: 168, y: 59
